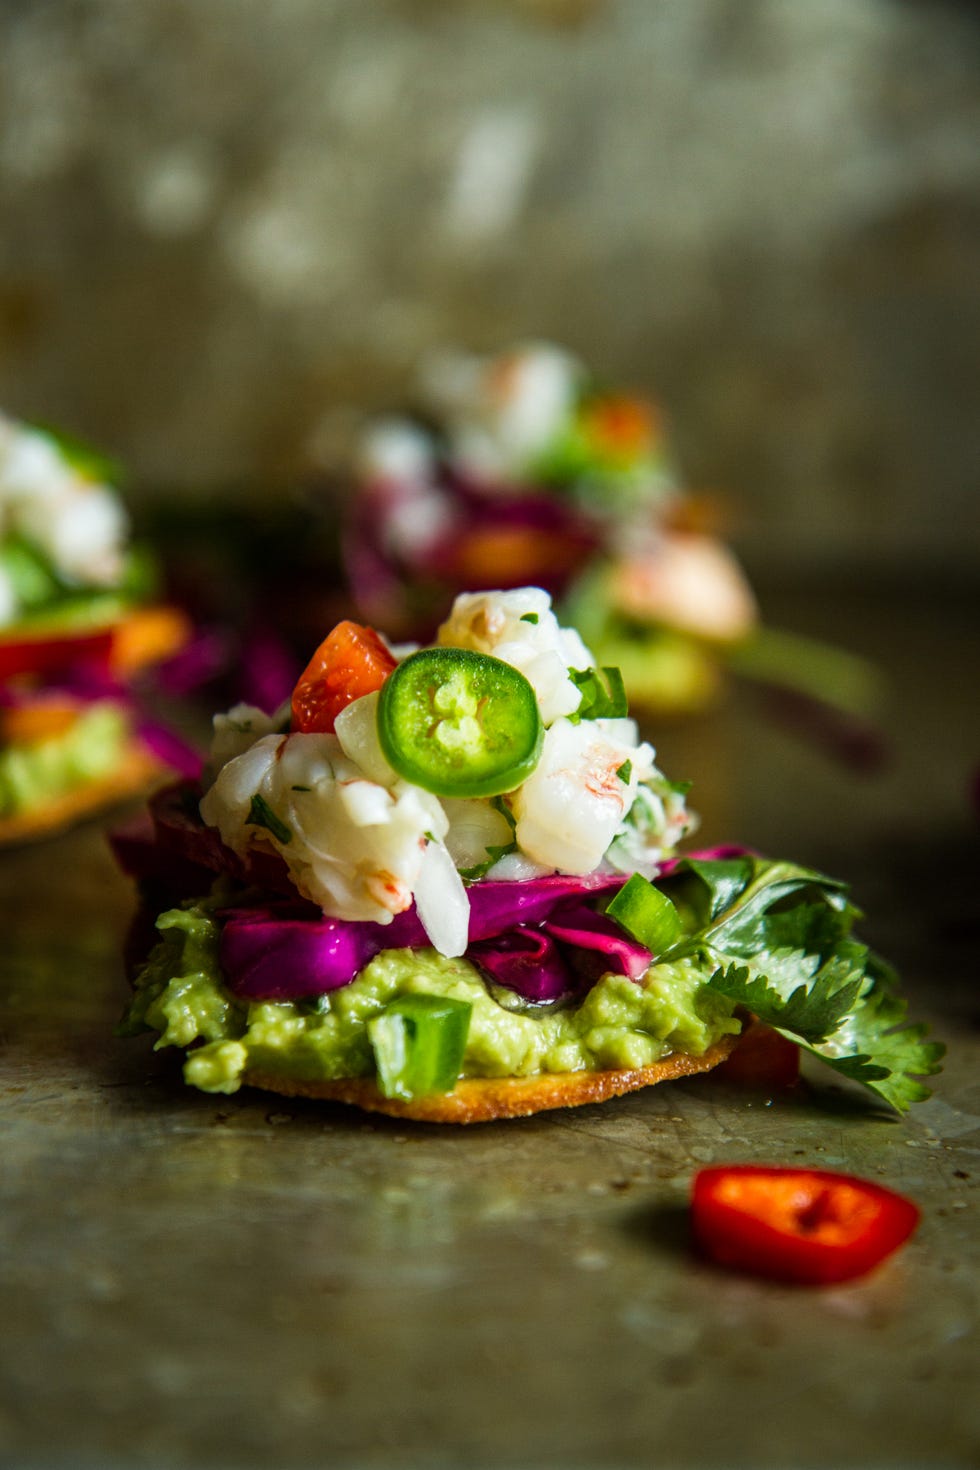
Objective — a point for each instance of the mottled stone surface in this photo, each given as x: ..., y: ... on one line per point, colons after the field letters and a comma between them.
x: 194, y: 1282
x: 226, y: 224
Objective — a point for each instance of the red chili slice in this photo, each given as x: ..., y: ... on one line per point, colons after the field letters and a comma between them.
x: 351, y: 661
x: 809, y: 1226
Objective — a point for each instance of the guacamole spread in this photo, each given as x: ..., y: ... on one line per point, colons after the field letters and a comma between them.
x: 620, y: 1023
x: 92, y: 747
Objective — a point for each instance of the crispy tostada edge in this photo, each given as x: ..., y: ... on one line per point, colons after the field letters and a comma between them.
x: 484, y: 1099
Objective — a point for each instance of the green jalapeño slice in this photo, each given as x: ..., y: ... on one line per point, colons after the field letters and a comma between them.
x: 459, y: 723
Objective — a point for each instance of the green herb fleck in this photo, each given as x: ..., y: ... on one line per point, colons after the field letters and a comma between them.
x: 603, y: 694
x: 499, y: 805
x: 260, y: 814
x: 624, y: 772
x: 529, y: 618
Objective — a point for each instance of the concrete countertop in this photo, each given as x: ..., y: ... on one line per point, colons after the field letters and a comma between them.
x: 202, y: 1281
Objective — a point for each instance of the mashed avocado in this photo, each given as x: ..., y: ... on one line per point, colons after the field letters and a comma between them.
x: 91, y: 748
x: 620, y: 1022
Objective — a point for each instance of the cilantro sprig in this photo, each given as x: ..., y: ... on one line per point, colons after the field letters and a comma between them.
x: 603, y: 694
x: 777, y: 939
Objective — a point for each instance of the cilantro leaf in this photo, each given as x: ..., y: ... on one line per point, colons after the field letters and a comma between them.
x: 877, y: 1046
x: 603, y: 694
x: 812, y: 926
x: 742, y: 928
x: 863, y: 1036
x: 812, y: 1011
x: 90, y: 463
x: 723, y: 878
x: 779, y: 940
x: 260, y: 814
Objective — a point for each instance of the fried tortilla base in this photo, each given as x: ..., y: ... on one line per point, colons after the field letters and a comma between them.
x: 483, y: 1099
x: 136, y: 772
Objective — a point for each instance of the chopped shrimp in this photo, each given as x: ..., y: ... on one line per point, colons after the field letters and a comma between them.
x: 689, y: 582
x: 390, y: 892
x: 571, y: 806
x: 351, y: 845
x: 504, y: 411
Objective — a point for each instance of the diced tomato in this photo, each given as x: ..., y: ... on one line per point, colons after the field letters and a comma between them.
x: 809, y: 1226
x: 148, y: 635
x: 351, y: 661
x: 143, y: 636
x: 763, y: 1059
x: 54, y: 653
x: 39, y: 718
x: 622, y: 427
x: 511, y: 556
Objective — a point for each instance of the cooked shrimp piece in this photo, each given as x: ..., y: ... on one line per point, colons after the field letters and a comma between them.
x: 351, y: 845
x: 504, y: 411
x: 571, y: 806
x: 689, y: 582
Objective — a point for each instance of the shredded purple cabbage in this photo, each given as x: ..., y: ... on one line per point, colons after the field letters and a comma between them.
x: 170, y: 748
x: 584, y: 932
x: 268, y: 669
x: 527, y: 961
x: 412, y: 586
x: 266, y: 956
x: 202, y: 659
x: 86, y: 684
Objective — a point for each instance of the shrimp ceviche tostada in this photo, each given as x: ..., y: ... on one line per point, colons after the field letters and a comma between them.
x: 443, y: 883
x: 523, y: 467
x: 76, y: 630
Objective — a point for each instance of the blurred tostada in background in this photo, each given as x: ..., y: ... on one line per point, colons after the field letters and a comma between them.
x: 523, y: 468
x: 80, y: 636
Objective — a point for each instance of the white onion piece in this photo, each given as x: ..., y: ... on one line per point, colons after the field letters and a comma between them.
x: 517, y: 866
x: 307, y: 759
x: 357, y: 731
x: 441, y: 901
x: 474, y: 826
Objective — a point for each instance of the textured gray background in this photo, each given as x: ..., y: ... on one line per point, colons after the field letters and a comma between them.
x: 226, y: 224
